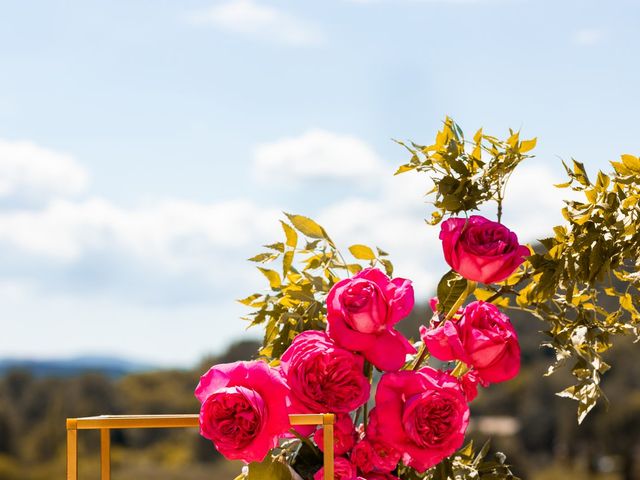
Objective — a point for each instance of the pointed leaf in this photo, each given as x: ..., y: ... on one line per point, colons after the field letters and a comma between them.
x: 290, y: 233
x: 362, y: 252
x: 272, y: 276
x: 307, y: 226
x: 263, y: 257
x: 528, y: 145
x: 268, y: 469
x: 287, y: 260
x: 405, y: 168
x: 631, y: 162
x: 451, y: 287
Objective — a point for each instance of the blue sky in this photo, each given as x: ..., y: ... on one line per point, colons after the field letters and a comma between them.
x: 147, y: 147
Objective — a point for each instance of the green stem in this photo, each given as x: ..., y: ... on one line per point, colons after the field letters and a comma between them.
x: 507, y: 289
x: 499, y: 293
x: 423, y: 354
x: 365, y: 417
x: 460, y: 369
x: 357, y: 417
x: 368, y: 371
x: 307, y: 442
x: 342, y: 259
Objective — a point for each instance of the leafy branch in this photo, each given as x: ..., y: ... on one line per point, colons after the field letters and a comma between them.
x: 466, y: 174
x: 584, y: 280
x: 304, y: 267
x: 466, y: 464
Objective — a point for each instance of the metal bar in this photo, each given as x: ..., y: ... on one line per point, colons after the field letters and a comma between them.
x: 328, y: 419
x: 306, y: 419
x: 105, y: 423
x: 170, y: 421
x: 72, y: 449
x: 137, y: 421
x: 105, y: 454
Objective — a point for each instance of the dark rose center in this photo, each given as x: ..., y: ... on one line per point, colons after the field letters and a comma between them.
x: 495, y: 240
x: 329, y: 380
x: 235, y: 416
x: 365, y: 308
x: 430, y: 418
x: 485, y: 319
x: 357, y: 296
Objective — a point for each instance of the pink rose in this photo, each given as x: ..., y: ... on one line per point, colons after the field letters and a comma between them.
x: 422, y: 414
x: 344, y: 435
x: 362, y: 456
x: 343, y: 469
x: 244, y: 409
x: 482, y: 337
x: 481, y: 250
x: 322, y: 376
x: 372, y: 455
x: 469, y: 383
x: 385, y: 457
x: 361, y: 313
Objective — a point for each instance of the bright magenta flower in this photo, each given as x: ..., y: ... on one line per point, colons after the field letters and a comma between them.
x: 371, y: 455
x: 244, y: 409
x: 361, y: 313
x: 482, y: 337
x: 344, y: 435
x: 469, y: 383
x: 322, y: 376
x: 422, y: 414
x: 343, y: 469
x: 362, y: 456
x: 480, y: 249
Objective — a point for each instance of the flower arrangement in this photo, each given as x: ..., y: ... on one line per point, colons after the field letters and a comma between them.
x: 402, y: 407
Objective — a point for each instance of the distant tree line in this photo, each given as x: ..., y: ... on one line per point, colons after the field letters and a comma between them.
x: 33, y: 411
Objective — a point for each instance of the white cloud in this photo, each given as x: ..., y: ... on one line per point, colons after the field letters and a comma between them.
x: 87, y: 264
x: 533, y: 205
x: 393, y: 221
x: 172, y: 232
x: 251, y: 18
x: 316, y: 155
x: 587, y: 37
x: 30, y: 173
x: 174, y: 251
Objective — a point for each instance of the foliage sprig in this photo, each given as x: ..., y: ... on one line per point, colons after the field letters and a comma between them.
x: 583, y: 280
x: 304, y: 267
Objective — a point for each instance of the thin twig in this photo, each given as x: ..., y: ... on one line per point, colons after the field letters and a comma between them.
x: 422, y: 355
x: 368, y: 370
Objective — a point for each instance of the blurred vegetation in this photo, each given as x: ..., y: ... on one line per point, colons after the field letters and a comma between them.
x: 542, y: 439
x: 33, y: 412
x: 547, y: 442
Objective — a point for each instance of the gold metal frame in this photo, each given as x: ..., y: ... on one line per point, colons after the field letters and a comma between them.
x: 106, y: 423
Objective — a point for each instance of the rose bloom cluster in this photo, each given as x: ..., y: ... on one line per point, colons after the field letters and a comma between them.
x: 420, y: 416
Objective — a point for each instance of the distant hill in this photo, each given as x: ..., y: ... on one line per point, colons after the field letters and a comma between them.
x: 109, y: 366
